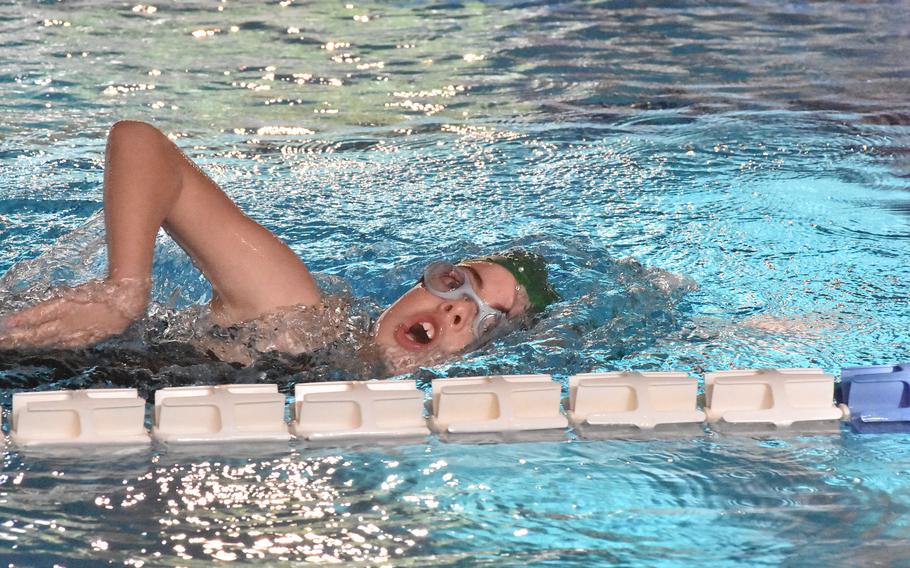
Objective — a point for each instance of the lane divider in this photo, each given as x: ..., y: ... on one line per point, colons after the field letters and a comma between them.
x: 871, y: 399
x: 93, y: 416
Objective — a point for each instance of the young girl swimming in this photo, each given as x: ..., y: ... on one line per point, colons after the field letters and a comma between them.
x: 149, y: 183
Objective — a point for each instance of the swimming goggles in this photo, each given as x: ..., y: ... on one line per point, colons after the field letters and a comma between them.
x: 449, y: 282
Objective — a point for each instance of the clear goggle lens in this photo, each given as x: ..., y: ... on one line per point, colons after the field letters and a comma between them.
x: 443, y: 277
x: 487, y: 324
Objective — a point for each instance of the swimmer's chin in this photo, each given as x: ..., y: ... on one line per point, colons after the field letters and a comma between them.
x: 399, y: 361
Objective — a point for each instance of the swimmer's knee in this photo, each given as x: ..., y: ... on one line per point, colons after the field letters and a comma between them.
x: 132, y: 131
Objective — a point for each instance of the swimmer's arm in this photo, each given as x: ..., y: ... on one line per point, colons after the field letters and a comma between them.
x: 149, y: 183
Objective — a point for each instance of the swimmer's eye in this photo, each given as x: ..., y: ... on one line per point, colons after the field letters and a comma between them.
x: 445, y: 282
x: 451, y: 281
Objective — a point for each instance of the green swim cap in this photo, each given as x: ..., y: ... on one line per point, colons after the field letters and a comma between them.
x: 530, y: 270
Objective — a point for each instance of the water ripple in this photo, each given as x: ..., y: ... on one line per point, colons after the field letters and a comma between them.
x: 715, y: 185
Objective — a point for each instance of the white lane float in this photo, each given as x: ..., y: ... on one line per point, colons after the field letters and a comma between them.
x: 643, y: 400
x: 781, y: 397
x: 496, y: 403
x: 91, y: 416
x: 358, y: 409
x: 492, y: 404
x: 221, y: 413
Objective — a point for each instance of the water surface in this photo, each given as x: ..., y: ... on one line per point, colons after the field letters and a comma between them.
x: 756, y: 148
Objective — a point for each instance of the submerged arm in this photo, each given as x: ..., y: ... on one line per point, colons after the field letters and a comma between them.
x: 148, y: 184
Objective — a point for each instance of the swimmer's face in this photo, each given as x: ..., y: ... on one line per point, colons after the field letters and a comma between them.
x: 421, y: 328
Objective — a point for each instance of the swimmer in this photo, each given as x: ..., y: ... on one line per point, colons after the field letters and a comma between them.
x: 149, y: 183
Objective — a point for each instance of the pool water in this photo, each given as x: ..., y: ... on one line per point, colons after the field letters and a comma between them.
x: 717, y: 185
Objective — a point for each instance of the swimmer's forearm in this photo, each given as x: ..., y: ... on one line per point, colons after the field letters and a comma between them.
x: 141, y: 186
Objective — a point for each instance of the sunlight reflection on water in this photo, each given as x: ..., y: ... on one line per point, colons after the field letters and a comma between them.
x: 756, y: 148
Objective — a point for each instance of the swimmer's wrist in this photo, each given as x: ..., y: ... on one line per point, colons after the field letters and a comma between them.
x: 129, y: 297
x: 131, y: 283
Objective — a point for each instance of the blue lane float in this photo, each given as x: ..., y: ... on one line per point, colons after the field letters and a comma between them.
x: 876, y: 397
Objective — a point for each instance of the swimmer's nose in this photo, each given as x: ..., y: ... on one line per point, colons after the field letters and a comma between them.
x: 458, y: 314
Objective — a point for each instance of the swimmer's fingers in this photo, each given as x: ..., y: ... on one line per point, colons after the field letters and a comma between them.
x: 125, y: 298
x: 50, y: 323
x: 63, y: 304
x: 36, y: 315
x: 78, y: 316
x: 55, y: 333
x: 40, y: 334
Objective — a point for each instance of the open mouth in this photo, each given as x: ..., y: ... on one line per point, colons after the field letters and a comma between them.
x: 417, y: 334
x: 421, y: 332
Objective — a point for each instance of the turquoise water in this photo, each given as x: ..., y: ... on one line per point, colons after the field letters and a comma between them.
x: 750, y: 157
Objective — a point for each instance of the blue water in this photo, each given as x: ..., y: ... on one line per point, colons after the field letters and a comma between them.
x: 750, y: 158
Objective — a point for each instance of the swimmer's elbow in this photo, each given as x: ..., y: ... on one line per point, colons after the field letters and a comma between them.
x: 125, y: 130
x: 136, y: 138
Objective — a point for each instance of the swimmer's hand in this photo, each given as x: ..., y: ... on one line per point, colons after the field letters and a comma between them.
x: 79, y: 316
